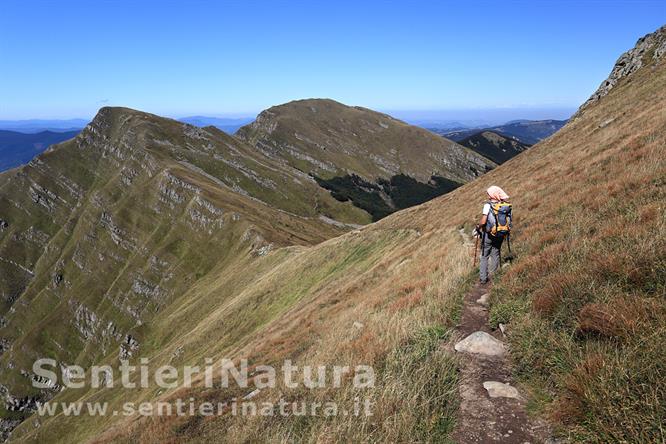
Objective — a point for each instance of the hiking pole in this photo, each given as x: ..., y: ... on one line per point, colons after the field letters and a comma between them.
x: 476, y: 246
x: 483, y: 242
x: 499, y: 258
x: 509, y: 257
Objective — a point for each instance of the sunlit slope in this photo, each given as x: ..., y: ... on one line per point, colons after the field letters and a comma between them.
x: 583, y: 302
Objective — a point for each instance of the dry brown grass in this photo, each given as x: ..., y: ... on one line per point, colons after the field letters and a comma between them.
x: 599, y: 319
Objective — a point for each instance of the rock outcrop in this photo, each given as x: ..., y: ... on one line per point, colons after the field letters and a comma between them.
x: 648, y: 49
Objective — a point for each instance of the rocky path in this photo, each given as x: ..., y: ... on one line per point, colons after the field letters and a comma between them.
x: 492, y: 409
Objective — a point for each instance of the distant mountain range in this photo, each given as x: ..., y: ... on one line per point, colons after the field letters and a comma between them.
x: 39, y: 125
x: 494, y: 145
x: 24, y: 139
x: 525, y: 131
x: 19, y: 148
x: 227, y: 125
x: 451, y: 125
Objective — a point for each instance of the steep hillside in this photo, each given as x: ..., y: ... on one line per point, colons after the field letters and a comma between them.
x: 19, y: 148
x: 361, y: 155
x: 494, y: 146
x: 584, y: 303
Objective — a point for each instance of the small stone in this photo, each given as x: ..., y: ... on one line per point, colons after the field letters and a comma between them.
x: 481, y: 343
x: 502, y: 328
x: 500, y: 390
x: 358, y: 325
x: 606, y: 122
x: 483, y: 300
x: 252, y: 394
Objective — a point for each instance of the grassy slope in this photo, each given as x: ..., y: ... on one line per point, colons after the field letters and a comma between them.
x: 328, y: 139
x: 584, y: 301
x: 301, y: 303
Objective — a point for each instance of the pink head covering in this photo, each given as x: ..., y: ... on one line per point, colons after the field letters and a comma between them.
x: 496, y: 193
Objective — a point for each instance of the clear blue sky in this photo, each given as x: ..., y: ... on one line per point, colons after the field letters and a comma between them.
x: 62, y: 59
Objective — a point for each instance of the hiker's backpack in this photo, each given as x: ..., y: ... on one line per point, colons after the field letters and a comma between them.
x: 499, y: 219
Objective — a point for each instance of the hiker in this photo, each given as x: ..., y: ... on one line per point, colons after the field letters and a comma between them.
x: 493, y: 227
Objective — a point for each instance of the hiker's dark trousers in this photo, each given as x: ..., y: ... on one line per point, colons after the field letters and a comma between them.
x: 490, y: 249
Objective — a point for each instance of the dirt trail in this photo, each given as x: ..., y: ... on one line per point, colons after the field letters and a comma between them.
x: 482, y: 418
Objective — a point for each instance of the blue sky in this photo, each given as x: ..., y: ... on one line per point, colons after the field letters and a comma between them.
x: 63, y: 59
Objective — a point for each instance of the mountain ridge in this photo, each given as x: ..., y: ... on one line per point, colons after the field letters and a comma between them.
x: 137, y: 210
x: 363, y: 156
x: 647, y: 50
x: 102, y: 233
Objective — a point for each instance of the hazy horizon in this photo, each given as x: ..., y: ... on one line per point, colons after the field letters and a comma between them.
x: 463, y: 115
